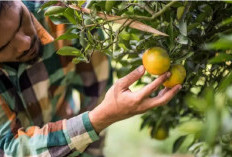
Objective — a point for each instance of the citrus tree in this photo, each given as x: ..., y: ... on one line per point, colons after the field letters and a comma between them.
x: 195, y: 35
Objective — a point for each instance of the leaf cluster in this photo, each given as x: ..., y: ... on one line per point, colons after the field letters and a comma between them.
x: 199, y: 37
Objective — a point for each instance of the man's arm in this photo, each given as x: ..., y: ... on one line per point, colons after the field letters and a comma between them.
x: 53, y: 139
x: 60, y: 138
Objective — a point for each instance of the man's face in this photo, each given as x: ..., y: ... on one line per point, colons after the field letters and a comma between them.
x: 18, y: 38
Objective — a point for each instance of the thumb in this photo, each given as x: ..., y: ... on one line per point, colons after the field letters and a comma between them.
x: 129, y: 79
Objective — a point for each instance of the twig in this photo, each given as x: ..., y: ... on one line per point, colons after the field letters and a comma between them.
x: 148, y: 8
x: 145, y: 7
x: 156, y: 14
x: 82, y: 21
x: 127, y: 53
x: 136, y: 24
x: 105, y: 22
x: 109, y: 45
x: 106, y: 30
x: 111, y: 29
x: 186, y: 9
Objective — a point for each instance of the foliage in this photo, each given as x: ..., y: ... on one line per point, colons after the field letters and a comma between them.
x: 199, y: 37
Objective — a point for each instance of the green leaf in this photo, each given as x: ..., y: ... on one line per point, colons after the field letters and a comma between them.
x: 225, y: 82
x: 69, y: 51
x: 87, y: 47
x: 178, y: 143
x: 191, y: 127
x: 67, y: 36
x: 192, y: 26
x: 70, y: 29
x: 183, y: 28
x: 58, y: 20
x: 53, y: 10
x: 123, y: 71
x: 186, y: 56
x: 136, y: 61
x: 83, y: 40
x: 123, y: 46
x: 211, y: 125
x: 209, y: 96
x: 146, y: 122
x: 47, y: 4
x: 206, y: 12
x: 134, y: 36
x: 221, y: 57
x: 227, y: 1
x: 197, y: 104
x: 171, y: 35
x: 125, y: 36
x: 90, y: 37
x: 69, y: 14
x: 180, y: 12
x: 78, y: 16
x: 229, y: 92
x: 224, y: 43
x: 201, y: 17
x: 225, y: 22
x: 182, y: 39
x: 80, y: 3
x: 88, y: 21
x: 79, y: 59
x: 109, y: 5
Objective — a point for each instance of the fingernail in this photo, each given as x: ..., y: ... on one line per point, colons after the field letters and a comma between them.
x: 168, y: 74
x: 141, y: 69
x: 180, y: 87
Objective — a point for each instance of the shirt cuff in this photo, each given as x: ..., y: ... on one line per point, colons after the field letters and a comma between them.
x: 80, y: 132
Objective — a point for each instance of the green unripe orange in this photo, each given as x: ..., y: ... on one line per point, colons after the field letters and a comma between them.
x: 160, y: 134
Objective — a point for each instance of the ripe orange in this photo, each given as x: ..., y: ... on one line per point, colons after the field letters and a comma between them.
x: 178, y: 75
x: 156, y: 61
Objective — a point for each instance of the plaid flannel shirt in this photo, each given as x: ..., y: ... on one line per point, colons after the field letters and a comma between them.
x: 38, y: 107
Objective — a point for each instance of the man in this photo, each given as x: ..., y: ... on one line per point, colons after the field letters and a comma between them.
x: 35, y: 85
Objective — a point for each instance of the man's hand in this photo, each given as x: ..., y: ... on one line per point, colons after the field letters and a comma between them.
x: 120, y: 103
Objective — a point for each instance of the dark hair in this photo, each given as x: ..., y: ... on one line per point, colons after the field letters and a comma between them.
x: 3, y: 4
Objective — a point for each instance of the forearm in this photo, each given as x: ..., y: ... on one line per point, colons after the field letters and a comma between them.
x: 99, y: 119
x: 65, y: 135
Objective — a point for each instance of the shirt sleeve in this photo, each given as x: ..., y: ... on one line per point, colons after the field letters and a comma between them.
x: 60, y: 138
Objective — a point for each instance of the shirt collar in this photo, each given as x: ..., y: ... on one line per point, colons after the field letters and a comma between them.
x: 42, y: 33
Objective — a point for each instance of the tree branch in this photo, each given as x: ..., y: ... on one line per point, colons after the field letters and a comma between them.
x: 155, y: 15
x: 145, y: 7
x: 136, y: 24
x: 105, y: 22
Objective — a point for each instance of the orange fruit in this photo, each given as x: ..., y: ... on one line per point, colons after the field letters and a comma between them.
x: 178, y: 75
x: 160, y: 134
x: 156, y: 61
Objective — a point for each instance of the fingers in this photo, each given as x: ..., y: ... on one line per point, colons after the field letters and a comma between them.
x: 164, y: 98
x: 129, y: 79
x: 147, y: 90
x: 163, y: 91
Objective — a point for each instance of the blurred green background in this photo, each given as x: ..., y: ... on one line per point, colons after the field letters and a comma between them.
x: 124, y: 139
